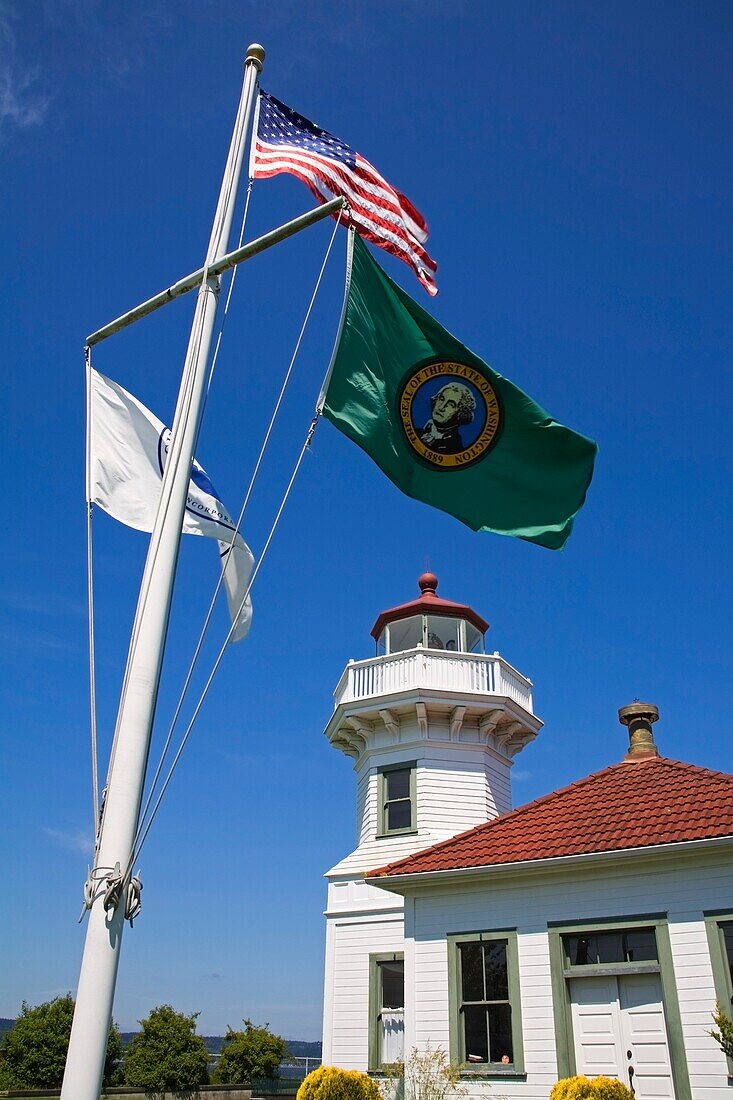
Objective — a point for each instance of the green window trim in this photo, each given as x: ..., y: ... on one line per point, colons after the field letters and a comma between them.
x: 559, y: 971
x: 720, y: 963
x: 375, y: 1060
x: 382, y: 796
x: 457, y: 1052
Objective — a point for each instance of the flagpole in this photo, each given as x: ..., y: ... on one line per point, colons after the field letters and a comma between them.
x: 95, y: 994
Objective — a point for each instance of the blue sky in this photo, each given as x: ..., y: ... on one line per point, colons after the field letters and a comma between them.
x: 574, y: 163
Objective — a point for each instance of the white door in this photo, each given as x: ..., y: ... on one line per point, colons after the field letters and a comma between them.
x: 618, y: 1025
x: 645, y: 1036
x: 597, y: 1026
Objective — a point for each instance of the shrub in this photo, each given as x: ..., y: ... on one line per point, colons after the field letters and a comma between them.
x: 34, y: 1050
x: 330, y: 1083
x: 591, y: 1088
x: 430, y: 1075
x: 167, y: 1055
x: 724, y: 1035
x: 254, y: 1052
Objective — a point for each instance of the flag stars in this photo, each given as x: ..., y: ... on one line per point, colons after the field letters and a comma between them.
x: 287, y: 142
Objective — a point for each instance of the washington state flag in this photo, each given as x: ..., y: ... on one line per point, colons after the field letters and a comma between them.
x: 441, y: 424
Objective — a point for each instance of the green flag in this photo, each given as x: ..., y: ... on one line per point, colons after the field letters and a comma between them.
x: 441, y: 424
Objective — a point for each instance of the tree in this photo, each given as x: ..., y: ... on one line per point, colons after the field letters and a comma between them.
x: 724, y: 1035
x: 33, y: 1052
x: 254, y: 1052
x: 167, y: 1054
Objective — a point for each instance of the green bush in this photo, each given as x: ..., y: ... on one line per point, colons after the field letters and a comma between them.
x: 591, y: 1088
x: 167, y: 1055
x: 33, y: 1053
x: 254, y: 1052
x: 330, y: 1083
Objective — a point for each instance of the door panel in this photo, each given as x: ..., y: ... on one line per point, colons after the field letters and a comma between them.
x: 596, y: 1026
x: 617, y: 1016
x: 645, y: 1035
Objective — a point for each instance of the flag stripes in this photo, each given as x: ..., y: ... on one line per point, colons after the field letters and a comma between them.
x: 288, y: 142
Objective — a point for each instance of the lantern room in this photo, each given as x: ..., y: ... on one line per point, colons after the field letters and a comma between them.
x: 431, y: 622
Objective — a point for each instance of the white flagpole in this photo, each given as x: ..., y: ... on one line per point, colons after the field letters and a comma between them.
x: 88, y: 1043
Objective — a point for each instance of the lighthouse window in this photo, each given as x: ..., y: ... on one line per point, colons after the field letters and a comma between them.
x: 404, y: 634
x: 396, y: 799
x: 443, y: 633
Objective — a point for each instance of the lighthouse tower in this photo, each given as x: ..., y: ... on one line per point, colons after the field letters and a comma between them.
x: 432, y: 723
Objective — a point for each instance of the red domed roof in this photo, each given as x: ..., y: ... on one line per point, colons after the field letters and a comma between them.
x: 428, y: 603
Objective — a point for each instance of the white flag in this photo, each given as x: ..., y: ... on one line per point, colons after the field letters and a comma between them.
x: 128, y: 452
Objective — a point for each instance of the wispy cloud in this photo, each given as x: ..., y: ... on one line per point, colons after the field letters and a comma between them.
x: 117, y: 39
x: 22, y: 636
x: 38, y: 603
x: 23, y: 99
x: 520, y: 776
x: 73, y: 840
x: 22, y: 103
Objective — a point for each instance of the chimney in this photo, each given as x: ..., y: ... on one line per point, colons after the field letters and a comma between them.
x: 639, y: 718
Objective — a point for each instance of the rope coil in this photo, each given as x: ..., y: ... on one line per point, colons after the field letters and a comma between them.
x: 112, y: 881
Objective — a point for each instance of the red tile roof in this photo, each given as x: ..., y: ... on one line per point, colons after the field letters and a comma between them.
x: 629, y: 805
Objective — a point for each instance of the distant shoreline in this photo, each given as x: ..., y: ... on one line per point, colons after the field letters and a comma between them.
x: 297, y: 1048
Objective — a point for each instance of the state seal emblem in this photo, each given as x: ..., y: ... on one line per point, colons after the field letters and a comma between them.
x: 450, y: 413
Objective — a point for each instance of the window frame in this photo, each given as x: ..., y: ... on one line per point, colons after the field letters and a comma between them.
x: 382, y: 817
x: 623, y: 966
x: 720, y: 962
x: 375, y: 1063
x: 560, y: 972
x: 457, y: 1051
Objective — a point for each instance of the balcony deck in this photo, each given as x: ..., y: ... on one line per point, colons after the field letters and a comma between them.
x: 462, y: 673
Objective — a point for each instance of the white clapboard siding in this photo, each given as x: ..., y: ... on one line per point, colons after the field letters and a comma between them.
x: 457, y: 787
x: 353, y: 942
x: 682, y: 887
x: 366, y: 805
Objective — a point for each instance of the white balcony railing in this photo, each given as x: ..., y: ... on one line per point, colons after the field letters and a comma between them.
x: 479, y: 673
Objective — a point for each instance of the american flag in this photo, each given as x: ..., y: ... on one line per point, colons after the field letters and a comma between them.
x: 287, y: 142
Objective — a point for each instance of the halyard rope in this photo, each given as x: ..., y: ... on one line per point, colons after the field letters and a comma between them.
x: 207, y: 619
x: 132, y: 904
x: 139, y: 844
x: 185, y: 403
x: 90, y: 602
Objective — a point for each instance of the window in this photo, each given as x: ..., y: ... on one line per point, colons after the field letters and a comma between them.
x: 396, y: 792
x: 604, y: 948
x: 403, y: 634
x: 720, y: 941
x: 444, y: 633
x: 486, y: 1028
x: 386, y: 1010
x: 726, y: 935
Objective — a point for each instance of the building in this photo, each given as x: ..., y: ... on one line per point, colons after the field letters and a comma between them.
x: 589, y: 931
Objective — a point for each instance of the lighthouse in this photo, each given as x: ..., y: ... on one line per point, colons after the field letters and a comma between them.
x: 432, y: 723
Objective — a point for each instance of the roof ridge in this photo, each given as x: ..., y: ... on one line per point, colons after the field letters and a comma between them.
x: 685, y: 766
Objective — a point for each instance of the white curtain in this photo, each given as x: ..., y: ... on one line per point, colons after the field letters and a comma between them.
x: 393, y: 1036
